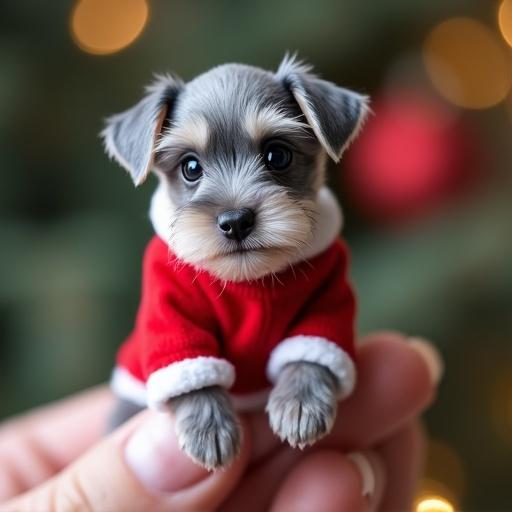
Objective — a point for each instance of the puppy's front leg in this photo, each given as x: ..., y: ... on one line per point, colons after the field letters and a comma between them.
x: 302, y: 406
x: 207, y: 427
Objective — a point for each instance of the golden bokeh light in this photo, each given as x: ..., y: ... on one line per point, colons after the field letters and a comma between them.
x: 429, y: 488
x: 505, y: 20
x: 101, y: 27
x: 443, y: 485
x: 434, y: 504
x: 467, y: 63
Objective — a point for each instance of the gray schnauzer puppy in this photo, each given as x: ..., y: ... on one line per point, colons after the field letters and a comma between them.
x: 240, y: 154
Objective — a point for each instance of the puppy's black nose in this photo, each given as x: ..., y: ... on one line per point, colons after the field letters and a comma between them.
x: 236, y: 224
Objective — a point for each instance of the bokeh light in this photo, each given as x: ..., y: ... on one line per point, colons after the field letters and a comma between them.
x: 443, y: 486
x: 505, y: 20
x: 429, y: 487
x: 434, y: 504
x: 467, y: 63
x: 413, y: 156
x: 106, y: 26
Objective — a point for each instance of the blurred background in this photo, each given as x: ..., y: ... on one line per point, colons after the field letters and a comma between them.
x: 427, y: 191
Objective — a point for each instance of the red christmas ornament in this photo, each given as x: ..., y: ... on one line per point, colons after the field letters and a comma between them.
x: 413, y: 155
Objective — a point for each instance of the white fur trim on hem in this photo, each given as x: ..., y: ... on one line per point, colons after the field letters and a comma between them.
x: 187, y: 375
x: 314, y: 349
x: 126, y: 386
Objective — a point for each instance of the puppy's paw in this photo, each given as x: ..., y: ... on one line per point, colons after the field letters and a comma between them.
x: 207, y: 427
x: 302, y: 406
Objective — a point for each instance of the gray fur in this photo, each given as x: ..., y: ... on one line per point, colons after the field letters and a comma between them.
x: 207, y: 427
x: 129, y: 137
x: 302, y: 406
x: 337, y: 113
x: 218, y: 118
x: 222, y: 96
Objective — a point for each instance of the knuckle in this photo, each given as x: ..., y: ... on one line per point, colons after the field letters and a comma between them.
x: 71, y: 494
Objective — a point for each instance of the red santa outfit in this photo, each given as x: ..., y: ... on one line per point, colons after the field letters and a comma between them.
x: 193, y: 331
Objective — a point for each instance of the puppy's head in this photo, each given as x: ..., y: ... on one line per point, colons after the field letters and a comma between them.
x: 241, y: 155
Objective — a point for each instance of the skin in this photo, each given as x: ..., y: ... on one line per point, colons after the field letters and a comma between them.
x: 55, y: 457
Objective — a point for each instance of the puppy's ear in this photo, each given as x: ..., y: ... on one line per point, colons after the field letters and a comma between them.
x: 334, y: 114
x: 130, y: 137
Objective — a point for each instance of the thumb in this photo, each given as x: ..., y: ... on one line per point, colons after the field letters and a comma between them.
x: 138, y: 467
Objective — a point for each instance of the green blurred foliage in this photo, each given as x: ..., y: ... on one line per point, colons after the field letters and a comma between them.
x: 72, y: 227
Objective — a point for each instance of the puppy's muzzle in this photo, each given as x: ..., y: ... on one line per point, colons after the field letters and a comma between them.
x: 236, y: 224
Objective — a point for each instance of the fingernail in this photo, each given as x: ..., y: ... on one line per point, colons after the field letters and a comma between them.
x: 365, y: 468
x: 430, y: 355
x: 155, y: 458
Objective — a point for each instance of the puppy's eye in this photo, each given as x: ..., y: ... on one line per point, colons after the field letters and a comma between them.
x: 277, y: 157
x: 191, y: 169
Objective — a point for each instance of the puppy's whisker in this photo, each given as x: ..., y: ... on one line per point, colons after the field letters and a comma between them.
x: 224, y: 284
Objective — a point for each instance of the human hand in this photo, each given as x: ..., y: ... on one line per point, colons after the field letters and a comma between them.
x: 55, y: 458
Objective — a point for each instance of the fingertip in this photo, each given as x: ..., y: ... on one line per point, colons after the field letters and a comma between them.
x: 364, y: 466
x: 431, y: 357
x: 152, y: 452
x: 154, y: 456
x: 394, y: 361
x: 382, y: 335
x: 137, y: 467
x: 394, y: 385
x: 325, y: 480
x: 372, y: 474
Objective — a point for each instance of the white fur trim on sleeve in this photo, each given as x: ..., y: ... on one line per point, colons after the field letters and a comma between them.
x: 314, y: 349
x: 187, y: 375
x: 126, y: 386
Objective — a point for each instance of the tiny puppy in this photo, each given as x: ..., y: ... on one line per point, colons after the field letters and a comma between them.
x: 244, y: 283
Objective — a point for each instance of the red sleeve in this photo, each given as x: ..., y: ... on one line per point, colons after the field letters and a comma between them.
x: 324, y: 330
x: 174, y: 338
x: 330, y: 313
